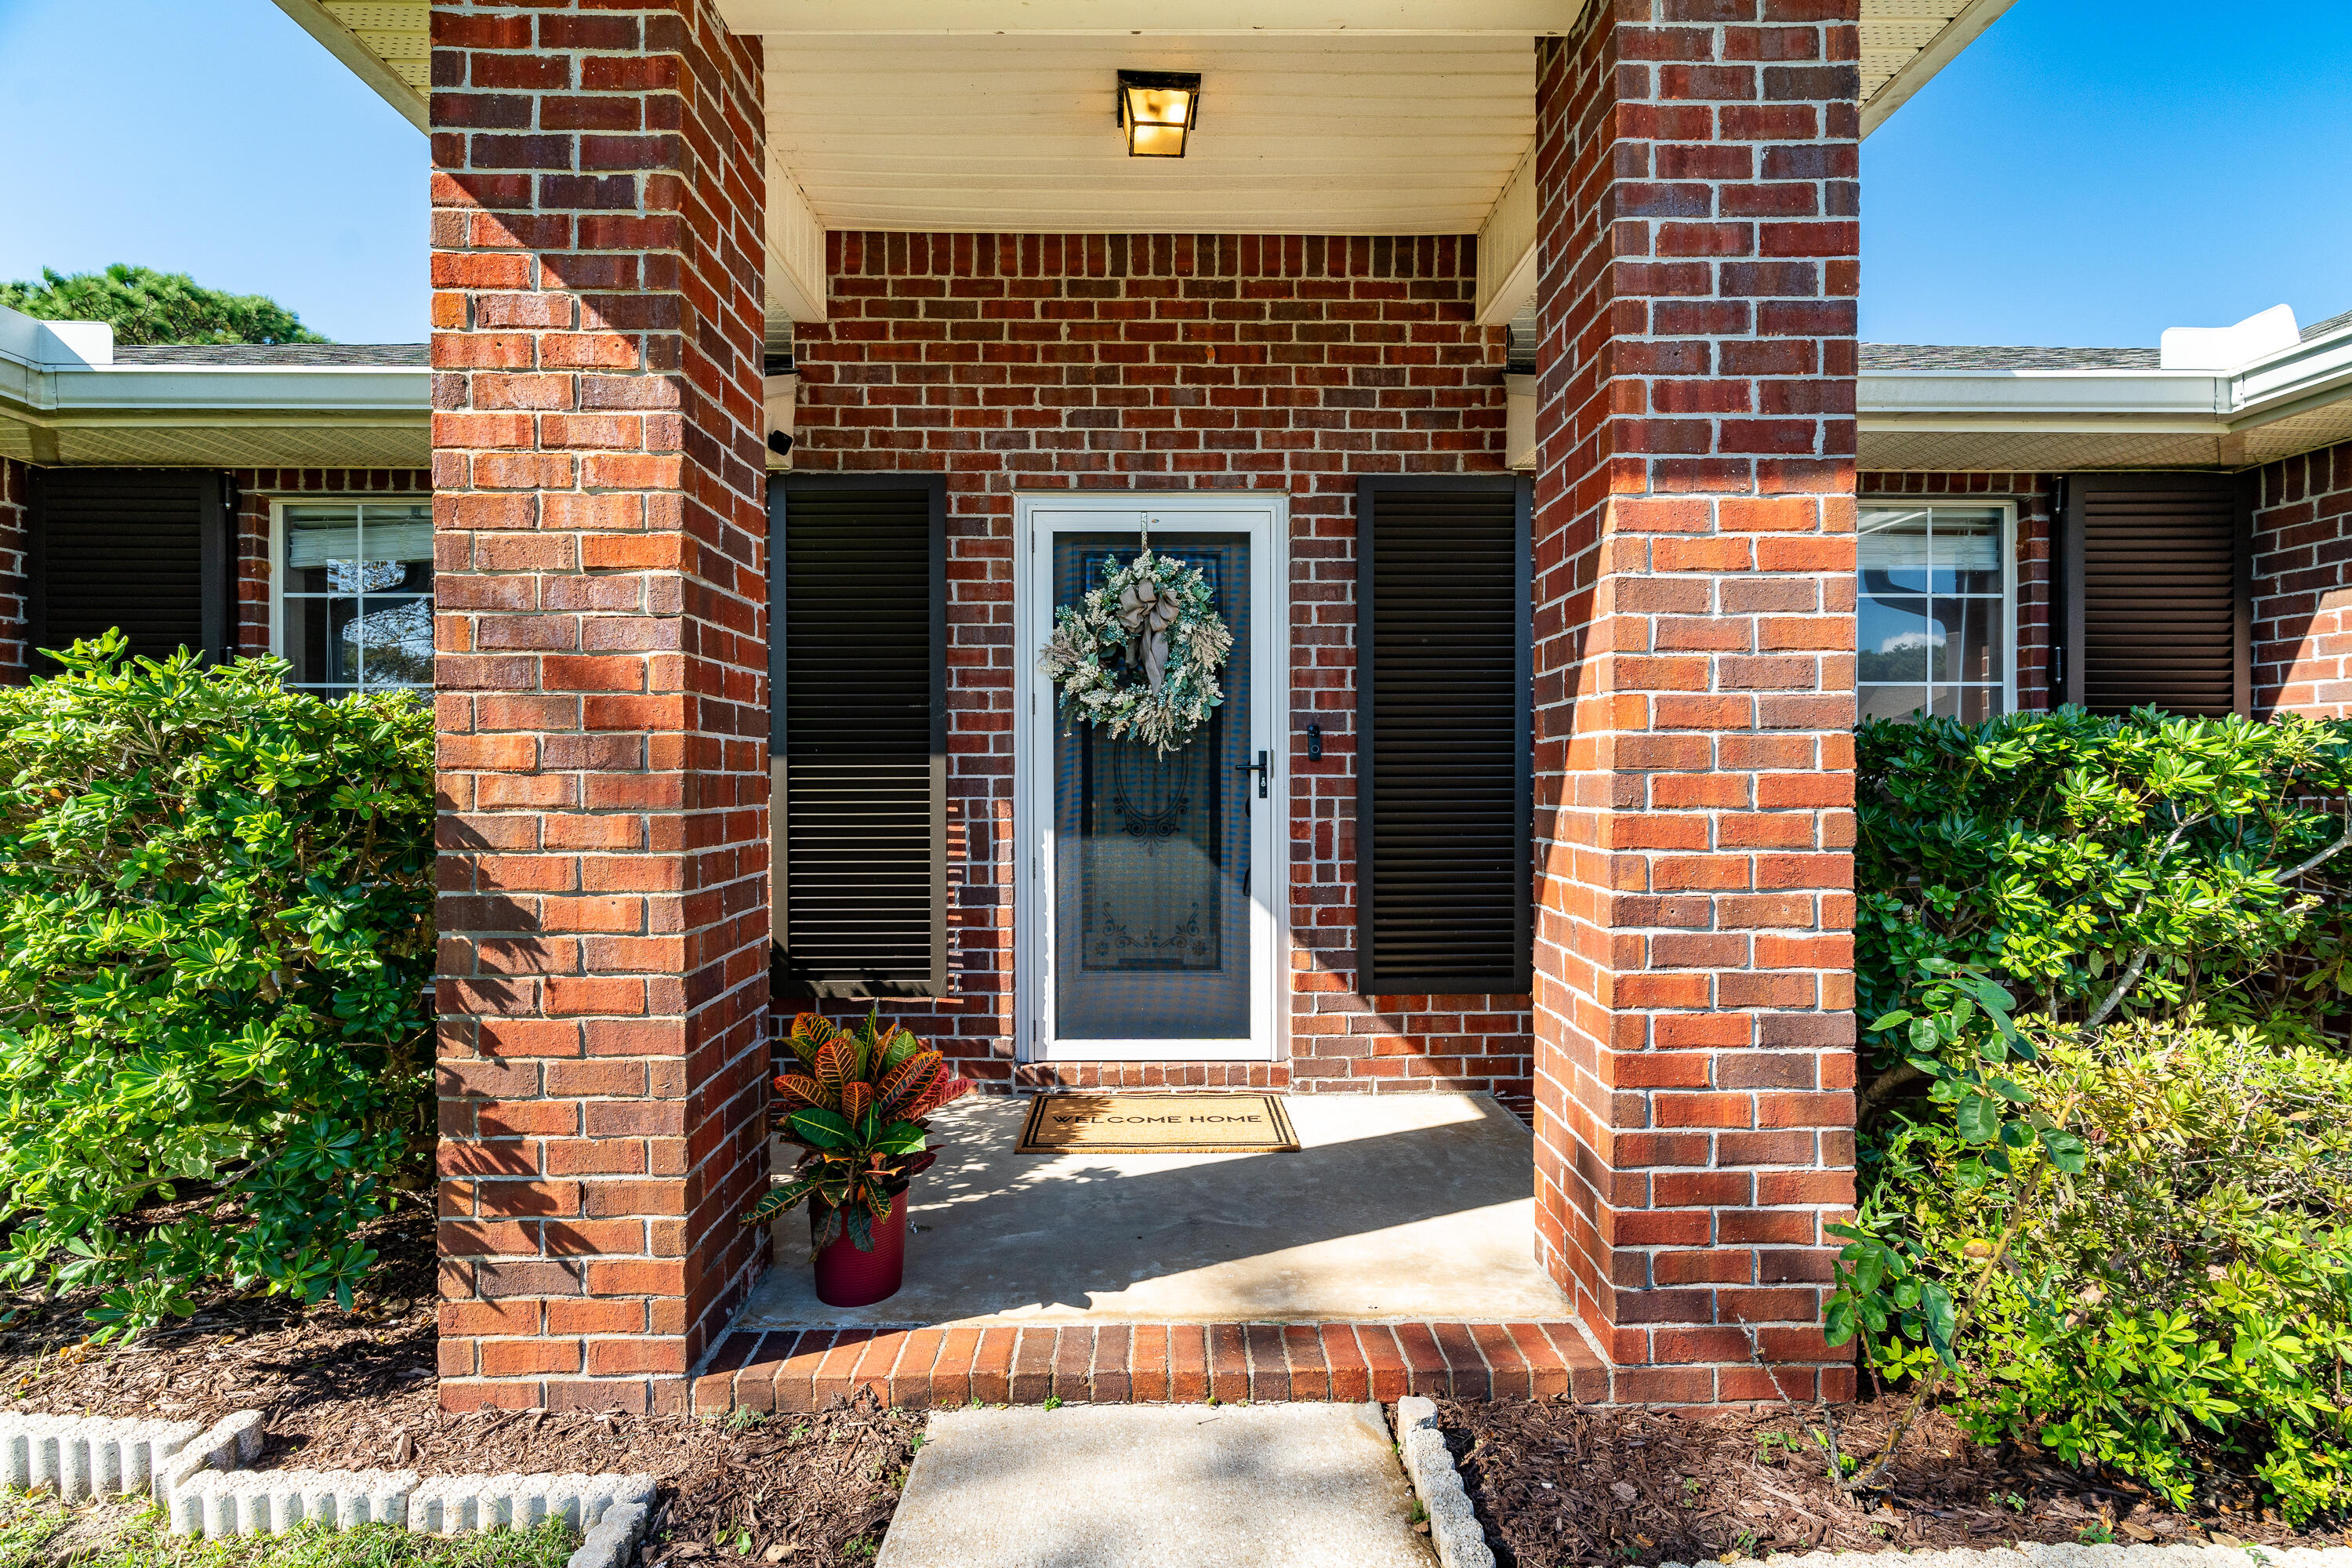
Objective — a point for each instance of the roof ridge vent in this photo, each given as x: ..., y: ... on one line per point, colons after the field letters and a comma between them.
x: 2226, y: 348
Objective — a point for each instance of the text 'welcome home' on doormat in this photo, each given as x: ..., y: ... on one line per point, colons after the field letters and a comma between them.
x: 1158, y: 1124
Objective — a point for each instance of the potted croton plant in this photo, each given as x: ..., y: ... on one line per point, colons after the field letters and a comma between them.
x: 855, y: 1107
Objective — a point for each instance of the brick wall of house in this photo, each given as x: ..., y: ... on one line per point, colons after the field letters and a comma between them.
x: 598, y: 192
x: 1696, y: 179
x: 1168, y: 363
x: 16, y: 482
x: 2302, y: 585
x: 256, y: 489
x: 2036, y: 496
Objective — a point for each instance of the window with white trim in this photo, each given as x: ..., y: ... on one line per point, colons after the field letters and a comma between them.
x: 1935, y: 615
x: 354, y: 586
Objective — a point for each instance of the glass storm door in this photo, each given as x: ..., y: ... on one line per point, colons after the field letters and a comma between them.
x: 1153, y: 879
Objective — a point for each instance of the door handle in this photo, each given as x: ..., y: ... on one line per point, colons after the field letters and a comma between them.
x: 1259, y: 768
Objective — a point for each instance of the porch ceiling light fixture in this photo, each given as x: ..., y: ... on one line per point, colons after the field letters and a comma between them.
x: 1158, y: 110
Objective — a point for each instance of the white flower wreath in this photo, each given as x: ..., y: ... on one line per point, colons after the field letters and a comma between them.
x: 1139, y: 655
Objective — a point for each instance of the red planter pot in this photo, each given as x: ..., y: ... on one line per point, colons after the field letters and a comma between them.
x: 848, y: 1277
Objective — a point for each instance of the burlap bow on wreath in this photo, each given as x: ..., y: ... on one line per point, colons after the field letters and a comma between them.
x: 1154, y: 616
x: 1148, y: 613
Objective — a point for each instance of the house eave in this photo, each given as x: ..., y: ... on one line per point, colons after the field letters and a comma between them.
x: 216, y: 416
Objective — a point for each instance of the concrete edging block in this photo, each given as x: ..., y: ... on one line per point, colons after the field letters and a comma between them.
x: 614, y: 1542
x: 82, y: 1457
x: 447, y: 1505
x: 218, y: 1503
x: 1454, y: 1529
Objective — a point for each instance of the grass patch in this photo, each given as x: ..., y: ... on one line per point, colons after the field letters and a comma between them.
x: 103, y: 1535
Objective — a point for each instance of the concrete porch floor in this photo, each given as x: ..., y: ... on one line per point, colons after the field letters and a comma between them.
x: 1396, y: 1207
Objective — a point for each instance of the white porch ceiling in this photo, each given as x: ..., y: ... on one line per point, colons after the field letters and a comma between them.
x: 1312, y: 135
x: 1318, y: 116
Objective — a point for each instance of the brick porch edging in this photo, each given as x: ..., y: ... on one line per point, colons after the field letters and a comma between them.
x: 796, y: 1369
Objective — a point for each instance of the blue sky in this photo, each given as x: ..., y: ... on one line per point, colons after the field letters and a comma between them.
x: 2090, y: 172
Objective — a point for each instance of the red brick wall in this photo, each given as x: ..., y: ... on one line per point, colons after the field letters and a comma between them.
x: 2302, y: 585
x: 15, y: 657
x: 2036, y: 496
x: 1156, y: 363
x: 1697, y: 178
x: 597, y: 236
x: 256, y: 489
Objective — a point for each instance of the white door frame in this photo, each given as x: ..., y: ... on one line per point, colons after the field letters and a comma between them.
x: 1265, y: 516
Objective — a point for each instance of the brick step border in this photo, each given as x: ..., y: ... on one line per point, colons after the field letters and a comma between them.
x: 920, y: 1368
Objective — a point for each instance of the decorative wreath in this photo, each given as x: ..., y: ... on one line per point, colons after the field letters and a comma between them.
x: 1139, y: 655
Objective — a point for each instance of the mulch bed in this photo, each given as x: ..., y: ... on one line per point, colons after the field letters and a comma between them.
x: 1556, y: 1483
x: 349, y: 1390
x: 305, y: 1370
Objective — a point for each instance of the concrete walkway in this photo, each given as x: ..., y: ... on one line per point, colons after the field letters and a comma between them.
x: 1265, y: 1485
x: 1398, y: 1207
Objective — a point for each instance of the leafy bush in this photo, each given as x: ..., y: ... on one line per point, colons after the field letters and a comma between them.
x: 216, y: 927
x: 2101, y: 866
x: 2171, y: 1297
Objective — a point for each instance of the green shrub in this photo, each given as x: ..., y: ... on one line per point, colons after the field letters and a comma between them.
x: 216, y: 927
x: 2177, y: 1303
x: 2101, y: 866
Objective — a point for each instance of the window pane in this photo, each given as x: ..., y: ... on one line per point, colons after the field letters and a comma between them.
x: 392, y: 641
x: 1895, y: 639
x: 1966, y: 547
x: 315, y: 644
x: 1972, y: 646
x: 1891, y: 701
x: 1976, y: 704
x: 316, y: 536
x: 1893, y: 552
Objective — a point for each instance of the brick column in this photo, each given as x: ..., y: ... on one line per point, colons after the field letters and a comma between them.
x: 597, y: 218
x: 1695, y: 684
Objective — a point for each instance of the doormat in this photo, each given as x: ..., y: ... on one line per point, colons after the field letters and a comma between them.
x: 1158, y: 1124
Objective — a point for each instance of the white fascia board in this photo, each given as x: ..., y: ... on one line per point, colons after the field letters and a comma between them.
x: 1940, y: 51
x: 1506, y: 248
x: 1127, y: 18
x: 796, y: 274
x: 345, y: 46
x: 112, y: 394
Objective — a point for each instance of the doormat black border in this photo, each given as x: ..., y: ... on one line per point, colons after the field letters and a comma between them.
x: 1031, y: 1124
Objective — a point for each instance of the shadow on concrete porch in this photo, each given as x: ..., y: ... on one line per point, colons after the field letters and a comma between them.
x: 1395, y: 1206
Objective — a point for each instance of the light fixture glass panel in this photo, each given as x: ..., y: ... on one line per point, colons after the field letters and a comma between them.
x: 1159, y: 105
x: 1156, y: 141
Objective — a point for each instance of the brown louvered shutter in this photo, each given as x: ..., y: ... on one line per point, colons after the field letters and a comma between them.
x: 146, y: 550
x: 858, y: 663
x: 2158, y: 608
x: 1443, y: 730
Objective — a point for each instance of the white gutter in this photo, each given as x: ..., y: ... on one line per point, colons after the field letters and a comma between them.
x: 2292, y: 380
x: 2165, y: 401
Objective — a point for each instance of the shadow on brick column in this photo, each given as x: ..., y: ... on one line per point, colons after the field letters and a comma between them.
x: 597, y: 195
x: 1693, y: 609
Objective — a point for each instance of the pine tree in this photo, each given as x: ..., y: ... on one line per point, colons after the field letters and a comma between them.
x: 145, y: 306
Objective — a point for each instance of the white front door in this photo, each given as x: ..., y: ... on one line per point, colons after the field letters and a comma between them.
x: 1153, y: 887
